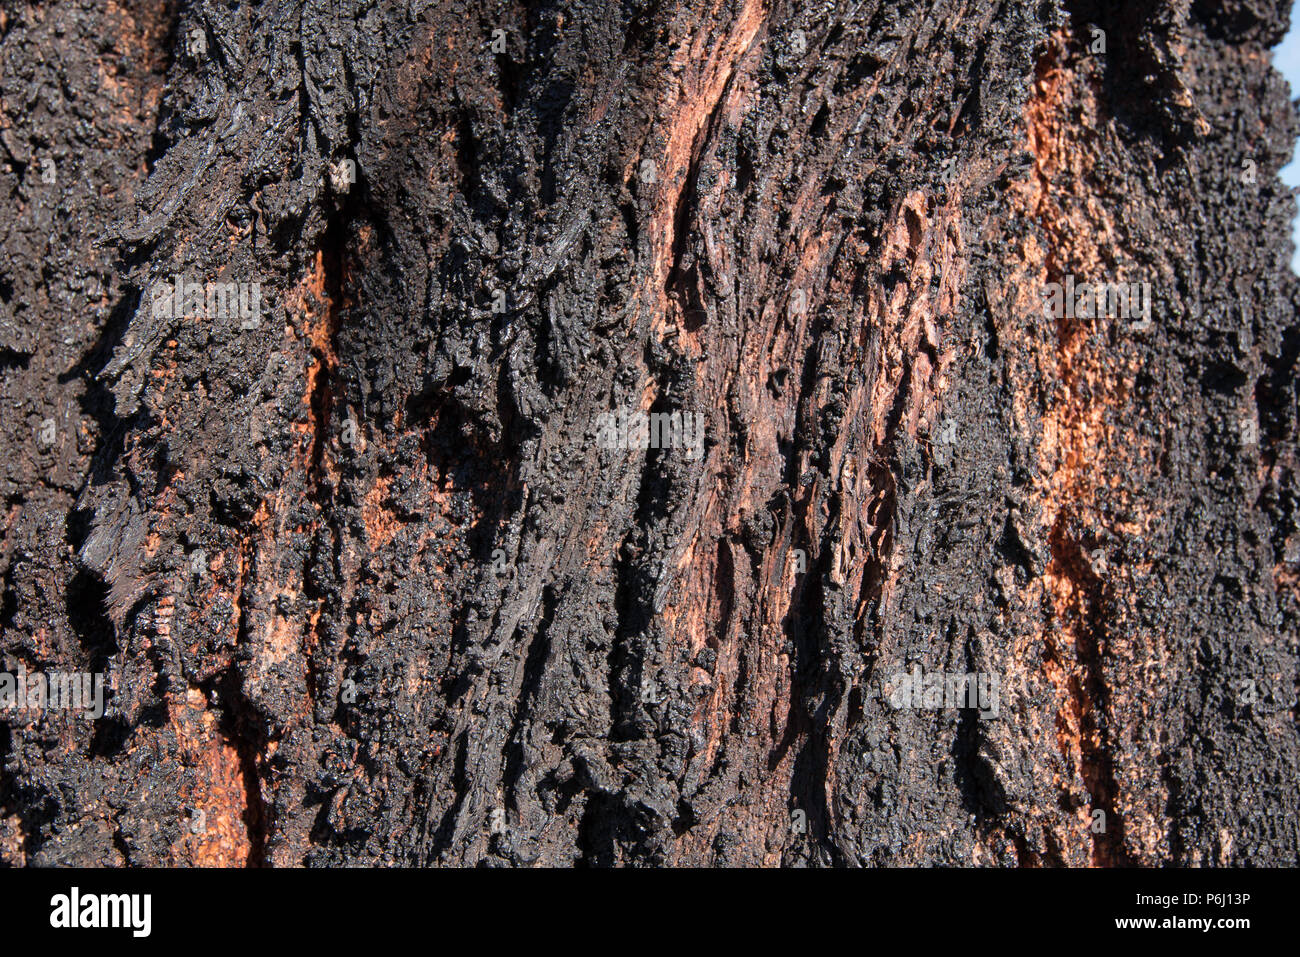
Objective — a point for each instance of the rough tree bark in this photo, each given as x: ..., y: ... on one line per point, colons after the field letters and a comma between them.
x: 367, y: 588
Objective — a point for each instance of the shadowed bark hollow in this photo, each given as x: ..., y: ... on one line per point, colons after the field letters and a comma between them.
x: 372, y: 578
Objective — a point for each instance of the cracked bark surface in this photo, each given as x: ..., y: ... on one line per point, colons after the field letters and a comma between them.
x: 368, y: 591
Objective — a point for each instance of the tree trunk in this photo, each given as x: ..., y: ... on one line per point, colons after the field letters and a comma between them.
x: 380, y: 568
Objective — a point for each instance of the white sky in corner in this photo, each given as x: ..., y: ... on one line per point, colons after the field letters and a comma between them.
x: 1287, y: 59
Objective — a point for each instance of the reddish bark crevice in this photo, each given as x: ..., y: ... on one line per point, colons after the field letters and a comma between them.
x: 371, y: 589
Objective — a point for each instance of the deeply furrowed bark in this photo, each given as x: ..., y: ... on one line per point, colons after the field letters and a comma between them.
x: 367, y: 587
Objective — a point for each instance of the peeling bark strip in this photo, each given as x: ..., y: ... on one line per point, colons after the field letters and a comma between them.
x: 639, y: 395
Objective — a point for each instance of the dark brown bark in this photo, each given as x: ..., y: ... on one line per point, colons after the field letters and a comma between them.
x: 366, y: 586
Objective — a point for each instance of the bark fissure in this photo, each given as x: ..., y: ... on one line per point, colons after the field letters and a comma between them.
x: 367, y: 579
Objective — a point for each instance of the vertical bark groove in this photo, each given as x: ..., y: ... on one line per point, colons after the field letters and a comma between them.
x: 368, y: 587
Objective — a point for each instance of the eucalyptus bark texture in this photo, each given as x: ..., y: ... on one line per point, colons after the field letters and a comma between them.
x: 367, y: 587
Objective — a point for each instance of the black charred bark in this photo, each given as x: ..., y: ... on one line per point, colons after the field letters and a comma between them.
x: 366, y: 583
